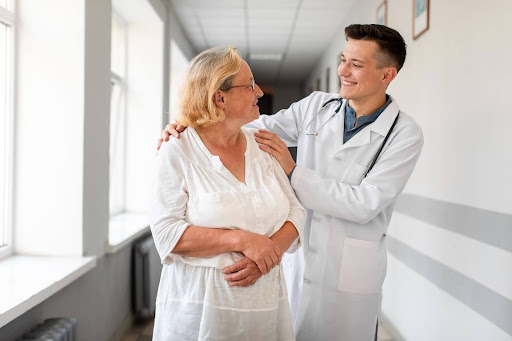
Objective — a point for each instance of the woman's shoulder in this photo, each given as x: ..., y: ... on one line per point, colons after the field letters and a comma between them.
x: 256, y: 153
x: 178, y: 148
x: 249, y: 131
x: 251, y: 138
x: 188, y: 149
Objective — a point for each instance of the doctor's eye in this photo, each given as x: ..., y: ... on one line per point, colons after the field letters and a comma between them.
x: 357, y: 65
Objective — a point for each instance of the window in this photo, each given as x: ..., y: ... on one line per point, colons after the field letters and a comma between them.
x: 118, y: 117
x: 137, y: 50
x: 6, y: 122
x: 179, y: 64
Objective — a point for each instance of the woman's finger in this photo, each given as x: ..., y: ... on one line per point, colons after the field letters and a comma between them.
x: 250, y: 282
x: 268, y: 263
x: 262, y: 266
x: 237, y: 276
x: 242, y: 283
x: 275, y: 259
x: 241, y: 264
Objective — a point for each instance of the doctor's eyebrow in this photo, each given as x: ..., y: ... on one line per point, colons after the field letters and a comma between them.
x: 353, y: 59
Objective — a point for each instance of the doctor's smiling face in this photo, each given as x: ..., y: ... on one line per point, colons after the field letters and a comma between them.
x: 373, y: 56
x: 363, y: 78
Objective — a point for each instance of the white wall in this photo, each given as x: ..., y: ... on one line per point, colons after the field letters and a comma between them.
x: 449, y: 243
x: 96, y: 126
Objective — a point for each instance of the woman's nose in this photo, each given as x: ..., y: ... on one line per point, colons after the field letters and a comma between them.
x: 258, y: 91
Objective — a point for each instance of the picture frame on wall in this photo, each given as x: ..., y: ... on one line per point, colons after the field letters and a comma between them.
x: 382, y: 13
x: 420, y: 17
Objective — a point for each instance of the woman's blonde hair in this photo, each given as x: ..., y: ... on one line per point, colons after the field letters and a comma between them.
x: 208, y: 72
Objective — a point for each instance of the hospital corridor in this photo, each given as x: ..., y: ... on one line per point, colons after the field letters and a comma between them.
x: 394, y: 208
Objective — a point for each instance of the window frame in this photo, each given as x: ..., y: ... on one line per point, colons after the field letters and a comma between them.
x: 8, y: 18
x: 119, y: 80
x: 116, y: 80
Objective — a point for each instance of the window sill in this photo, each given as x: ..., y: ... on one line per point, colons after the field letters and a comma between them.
x: 125, y: 228
x: 29, y: 280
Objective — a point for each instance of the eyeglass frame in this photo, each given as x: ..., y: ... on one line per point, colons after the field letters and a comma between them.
x: 253, y: 86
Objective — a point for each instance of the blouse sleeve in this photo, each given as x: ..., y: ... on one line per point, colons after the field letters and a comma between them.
x: 297, y: 214
x: 168, y: 200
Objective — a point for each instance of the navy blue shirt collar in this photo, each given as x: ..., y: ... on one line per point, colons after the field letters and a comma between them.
x: 350, y: 119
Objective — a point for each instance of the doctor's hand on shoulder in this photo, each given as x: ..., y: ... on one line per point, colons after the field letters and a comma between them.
x: 272, y: 144
x: 172, y: 129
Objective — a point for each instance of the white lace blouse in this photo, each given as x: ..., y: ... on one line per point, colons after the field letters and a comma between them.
x: 192, y: 186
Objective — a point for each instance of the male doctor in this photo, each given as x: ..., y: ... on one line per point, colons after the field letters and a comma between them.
x: 335, y: 280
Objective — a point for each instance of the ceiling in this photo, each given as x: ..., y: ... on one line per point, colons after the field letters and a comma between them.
x: 299, y: 30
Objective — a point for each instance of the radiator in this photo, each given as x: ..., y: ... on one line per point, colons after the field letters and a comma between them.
x: 53, y: 329
x: 146, y: 276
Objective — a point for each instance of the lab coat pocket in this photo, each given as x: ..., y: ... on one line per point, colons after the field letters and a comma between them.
x: 362, y: 267
x: 354, y: 174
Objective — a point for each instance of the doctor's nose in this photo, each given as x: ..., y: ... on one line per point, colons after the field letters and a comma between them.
x: 343, y: 70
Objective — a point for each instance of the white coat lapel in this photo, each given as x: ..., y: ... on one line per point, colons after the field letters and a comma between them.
x: 336, y: 126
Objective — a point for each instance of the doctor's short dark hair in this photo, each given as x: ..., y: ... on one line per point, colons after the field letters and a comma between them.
x: 391, y: 43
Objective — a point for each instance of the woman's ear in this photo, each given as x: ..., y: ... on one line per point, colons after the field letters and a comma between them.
x: 218, y: 98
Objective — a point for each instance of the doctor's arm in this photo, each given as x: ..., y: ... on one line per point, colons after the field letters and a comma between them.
x: 286, y: 122
x: 363, y: 202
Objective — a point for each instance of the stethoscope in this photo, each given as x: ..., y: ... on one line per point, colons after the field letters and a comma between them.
x: 304, y: 130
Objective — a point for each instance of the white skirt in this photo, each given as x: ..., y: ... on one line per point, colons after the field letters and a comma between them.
x: 196, y: 303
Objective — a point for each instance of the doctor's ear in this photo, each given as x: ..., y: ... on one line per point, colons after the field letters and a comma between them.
x: 389, y: 74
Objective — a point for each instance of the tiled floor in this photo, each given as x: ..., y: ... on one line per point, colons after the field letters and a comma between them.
x: 140, y: 332
x: 144, y: 331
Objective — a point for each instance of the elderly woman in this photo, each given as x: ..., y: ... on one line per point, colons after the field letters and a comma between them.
x: 220, y: 202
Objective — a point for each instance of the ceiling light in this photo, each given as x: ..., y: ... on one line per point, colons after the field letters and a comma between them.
x: 266, y: 56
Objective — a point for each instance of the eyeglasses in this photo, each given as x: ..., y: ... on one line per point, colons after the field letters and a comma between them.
x: 315, y: 133
x: 248, y: 86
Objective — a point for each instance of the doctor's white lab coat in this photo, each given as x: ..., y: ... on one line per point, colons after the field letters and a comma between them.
x: 335, y: 280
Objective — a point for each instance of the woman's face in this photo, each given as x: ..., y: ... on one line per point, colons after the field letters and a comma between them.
x: 241, y: 100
